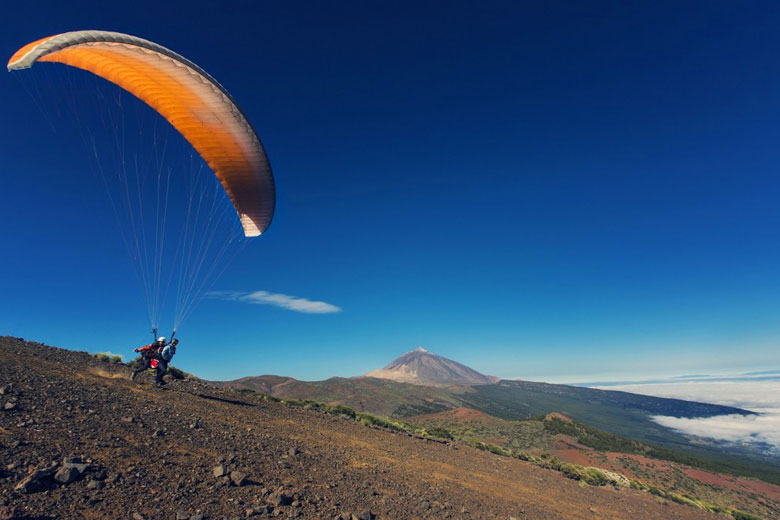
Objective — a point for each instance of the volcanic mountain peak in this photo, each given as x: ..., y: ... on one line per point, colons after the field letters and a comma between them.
x: 422, y: 367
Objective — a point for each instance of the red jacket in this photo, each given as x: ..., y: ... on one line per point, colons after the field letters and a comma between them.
x: 149, y: 350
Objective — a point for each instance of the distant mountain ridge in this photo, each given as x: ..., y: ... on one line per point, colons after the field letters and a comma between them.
x: 421, y: 367
x: 431, y: 387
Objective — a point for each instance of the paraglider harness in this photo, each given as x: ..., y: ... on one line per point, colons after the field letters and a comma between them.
x: 162, y: 352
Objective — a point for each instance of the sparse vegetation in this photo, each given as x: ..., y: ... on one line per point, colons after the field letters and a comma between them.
x: 366, y: 419
x: 605, y: 441
x: 107, y: 357
x: 598, y: 477
x: 177, y: 373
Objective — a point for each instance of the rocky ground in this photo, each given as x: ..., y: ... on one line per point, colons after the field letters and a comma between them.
x: 78, y: 440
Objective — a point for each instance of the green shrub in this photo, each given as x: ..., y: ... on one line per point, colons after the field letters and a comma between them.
x: 657, y: 492
x: 177, y: 373
x: 340, y: 409
x: 498, y: 450
x: 573, y: 471
x: 116, y: 359
x: 522, y: 455
x: 102, y: 357
x: 595, y: 477
x: 373, y: 420
x: 682, y: 499
x: 440, y: 433
x: 741, y: 515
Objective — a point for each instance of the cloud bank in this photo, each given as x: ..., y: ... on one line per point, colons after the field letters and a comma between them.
x: 284, y: 301
x: 733, y: 428
x: 758, y: 396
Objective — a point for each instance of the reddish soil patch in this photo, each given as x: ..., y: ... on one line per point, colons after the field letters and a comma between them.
x: 573, y: 457
x: 736, y: 483
x: 556, y: 415
x: 463, y: 414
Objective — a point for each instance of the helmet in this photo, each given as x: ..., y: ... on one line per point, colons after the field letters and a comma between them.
x: 161, y: 339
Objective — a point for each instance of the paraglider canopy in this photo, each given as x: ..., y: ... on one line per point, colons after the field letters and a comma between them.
x: 184, y: 94
x: 141, y: 182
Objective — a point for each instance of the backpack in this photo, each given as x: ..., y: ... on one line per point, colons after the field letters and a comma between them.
x: 168, y: 353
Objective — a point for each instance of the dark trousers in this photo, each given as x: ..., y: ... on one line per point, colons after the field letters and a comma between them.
x: 162, y: 367
x: 146, y: 364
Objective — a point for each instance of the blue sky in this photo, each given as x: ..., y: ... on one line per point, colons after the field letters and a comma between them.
x: 569, y: 192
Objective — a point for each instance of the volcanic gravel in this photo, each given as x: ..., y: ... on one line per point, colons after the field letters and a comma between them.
x: 79, y: 440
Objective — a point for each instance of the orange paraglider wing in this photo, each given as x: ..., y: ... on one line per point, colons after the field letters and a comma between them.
x: 184, y: 94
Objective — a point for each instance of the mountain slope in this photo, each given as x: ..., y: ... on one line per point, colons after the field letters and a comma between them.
x: 619, y: 413
x: 368, y: 394
x: 152, y: 453
x: 577, y: 443
x: 426, y: 368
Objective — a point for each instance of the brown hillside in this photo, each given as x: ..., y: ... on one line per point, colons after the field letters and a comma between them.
x: 151, y: 454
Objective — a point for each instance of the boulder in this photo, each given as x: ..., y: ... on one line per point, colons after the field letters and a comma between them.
x: 35, y: 481
x: 279, y: 499
x: 238, y: 478
x: 79, y: 467
x: 66, y: 475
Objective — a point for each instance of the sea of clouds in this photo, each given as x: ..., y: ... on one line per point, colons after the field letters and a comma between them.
x: 761, y: 396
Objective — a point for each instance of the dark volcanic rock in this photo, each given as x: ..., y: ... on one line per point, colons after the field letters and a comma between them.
x: 78, y: 466
x: 279, y: 499
x: 238, y: 478
x: 36, y: 480
x: 66, y: 475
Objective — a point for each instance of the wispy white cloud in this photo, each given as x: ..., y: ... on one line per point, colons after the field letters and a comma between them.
x: 284, y: 301
x: 758, y: 396
x: 752, y: 395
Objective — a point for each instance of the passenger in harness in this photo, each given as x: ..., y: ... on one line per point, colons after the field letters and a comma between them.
x: 165, y: 356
